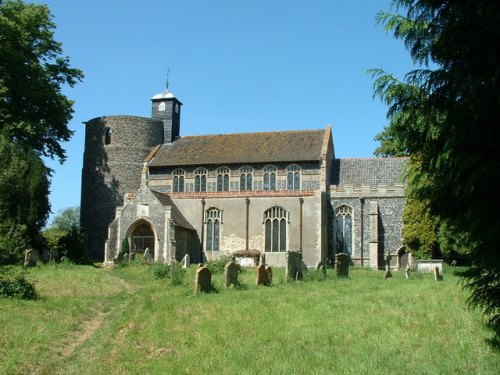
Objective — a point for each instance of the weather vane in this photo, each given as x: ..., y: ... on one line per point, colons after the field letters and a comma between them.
x: 168, y: 77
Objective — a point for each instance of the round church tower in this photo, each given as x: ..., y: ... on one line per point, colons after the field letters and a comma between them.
x: 115, y: 149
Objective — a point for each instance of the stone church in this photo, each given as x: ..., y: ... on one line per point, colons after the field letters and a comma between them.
x: 145, y: 186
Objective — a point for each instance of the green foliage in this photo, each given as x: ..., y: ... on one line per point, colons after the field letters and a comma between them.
x: 124, y: 247
x: 420, y: 230
x: 14, y: 240
x: 174, y: 272
x: 160, y: 271
x: 454, y: 245
x: 66, y: 219
x: 34, y: 112
x: 14, y: 284
x: 446, y: 115
x: 217, y: 266
x: 72, y: 245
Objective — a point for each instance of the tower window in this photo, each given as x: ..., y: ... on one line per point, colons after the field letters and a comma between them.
x: 200, y: 179
x: 275, y: 229
x: 343, y: 229
x: 107, y: 136
x: 270, y: 177
x: 178, y: 180
x: 246, y: 178
x: 161, y: 107
x: 293, y: 177
x: 223, y: 179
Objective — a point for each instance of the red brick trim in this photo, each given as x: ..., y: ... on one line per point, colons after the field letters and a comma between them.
x: 243, y: 194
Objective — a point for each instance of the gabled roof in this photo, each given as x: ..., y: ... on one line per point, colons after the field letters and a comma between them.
x: 264, y: 147
x: 177, y: 215
x: 368, y: 172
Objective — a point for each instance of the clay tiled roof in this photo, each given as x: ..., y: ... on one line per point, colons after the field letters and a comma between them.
x: 177, y: 215
x: 265, y: 147
x: 368, y: 172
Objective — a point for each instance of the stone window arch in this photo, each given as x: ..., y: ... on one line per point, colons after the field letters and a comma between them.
x: 246, y: 176
x: 223, y: 179
x: 344, y: 229
x: 275, y: 229
x: 270, y: 177
x: 213, y: 222
x: 142, y: 237
x: 178, y: 180
x: 200, y: 179
x: 293, y: 177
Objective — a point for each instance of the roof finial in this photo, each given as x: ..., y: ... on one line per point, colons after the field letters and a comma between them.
x: 168, y: 77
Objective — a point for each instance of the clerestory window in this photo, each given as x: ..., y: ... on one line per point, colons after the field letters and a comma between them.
x: 270, y: 177
x: 223, y: 179
x: 200, y: 179
x: 293, y: 177
x: 178, y: 180
x: 246, y: 174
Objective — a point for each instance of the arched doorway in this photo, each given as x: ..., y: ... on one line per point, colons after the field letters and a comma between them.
x: 143, y: 237
x: 403, y: 257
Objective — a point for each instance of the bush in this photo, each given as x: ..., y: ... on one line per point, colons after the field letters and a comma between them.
x: 174, y: 272
x: 17, y: 286
x: 217, y: 266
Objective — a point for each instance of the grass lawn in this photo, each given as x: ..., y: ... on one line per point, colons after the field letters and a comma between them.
x: 120, y: 321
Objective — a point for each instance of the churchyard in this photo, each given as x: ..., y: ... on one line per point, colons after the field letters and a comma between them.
x: 121, y: 320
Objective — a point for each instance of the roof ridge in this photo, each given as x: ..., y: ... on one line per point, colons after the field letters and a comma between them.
x: 249, y: 133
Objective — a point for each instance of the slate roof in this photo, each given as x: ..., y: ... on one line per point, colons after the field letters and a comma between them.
x: 177, y: 215
x: 263, y: 147
x: 368, y: 172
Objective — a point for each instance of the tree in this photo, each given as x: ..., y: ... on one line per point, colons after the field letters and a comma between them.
x: 33, y: 111
x: 66, y: 219
x: 33, y: 120
x: 446, y: 114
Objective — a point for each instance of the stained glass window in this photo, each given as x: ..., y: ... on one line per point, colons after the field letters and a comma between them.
x: 270, y: 177
x: 275, y: 229
x: 343, y: 229
x: 213, y: 219
x: 293, y: 177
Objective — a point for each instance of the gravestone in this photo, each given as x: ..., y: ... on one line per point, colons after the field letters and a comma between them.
x: 294, y: 265
x: 186, y: 261
x: 342, y: 261
x: 45, y: 255
x: 31, y: 257
x: 231, y: 273
x: 407, y: 270
x: 147, y: 255
x: 387, y: 274
x: 437, y: 275
x: 262, y: 276
x: 269, y: 271
x: 203, y: 279
x: 321, y: 269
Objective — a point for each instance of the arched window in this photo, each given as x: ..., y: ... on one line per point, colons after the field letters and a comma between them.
x: 213, y: 219
x: 161, y: 107
x: 343, y: 229
x: 178, y: 183
x: 293, y: 177
x: 275, y: 223
x: 107, y: 136
x: 200, y: 179
x: 143, y: 238
x: 270, y: 177
x: 223, y: 179
x: 246, y: 178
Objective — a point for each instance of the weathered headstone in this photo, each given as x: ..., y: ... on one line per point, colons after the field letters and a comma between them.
x: 147, y: 255
x: 31, y: 257
x: 437, y: 275
x: 269, y: 271
x: 45, y: 255
x: 342, y: 262
x: 321, y: 269
x: 294, y: 265
x: 407, y: 270
x: 231, y: 274
x: 203, y: 279
x: 387, y: 274
x: 186, y: 261
x: 262, y: 276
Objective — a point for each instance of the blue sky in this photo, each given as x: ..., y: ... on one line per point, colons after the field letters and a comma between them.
x: 237, y: 66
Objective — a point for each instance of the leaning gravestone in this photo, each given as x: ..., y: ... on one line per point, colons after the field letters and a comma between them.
x: 203, y: 279
x: 262, y: 276
x: 388, y: 274
x: 31, y: 257
x: 269, y: 271
x: 147, y: 255
x: 231, y: 274
x: 342, y: 261
x: 186, y: 261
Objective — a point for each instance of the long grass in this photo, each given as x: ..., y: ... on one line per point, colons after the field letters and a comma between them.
x: 121, y: 321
